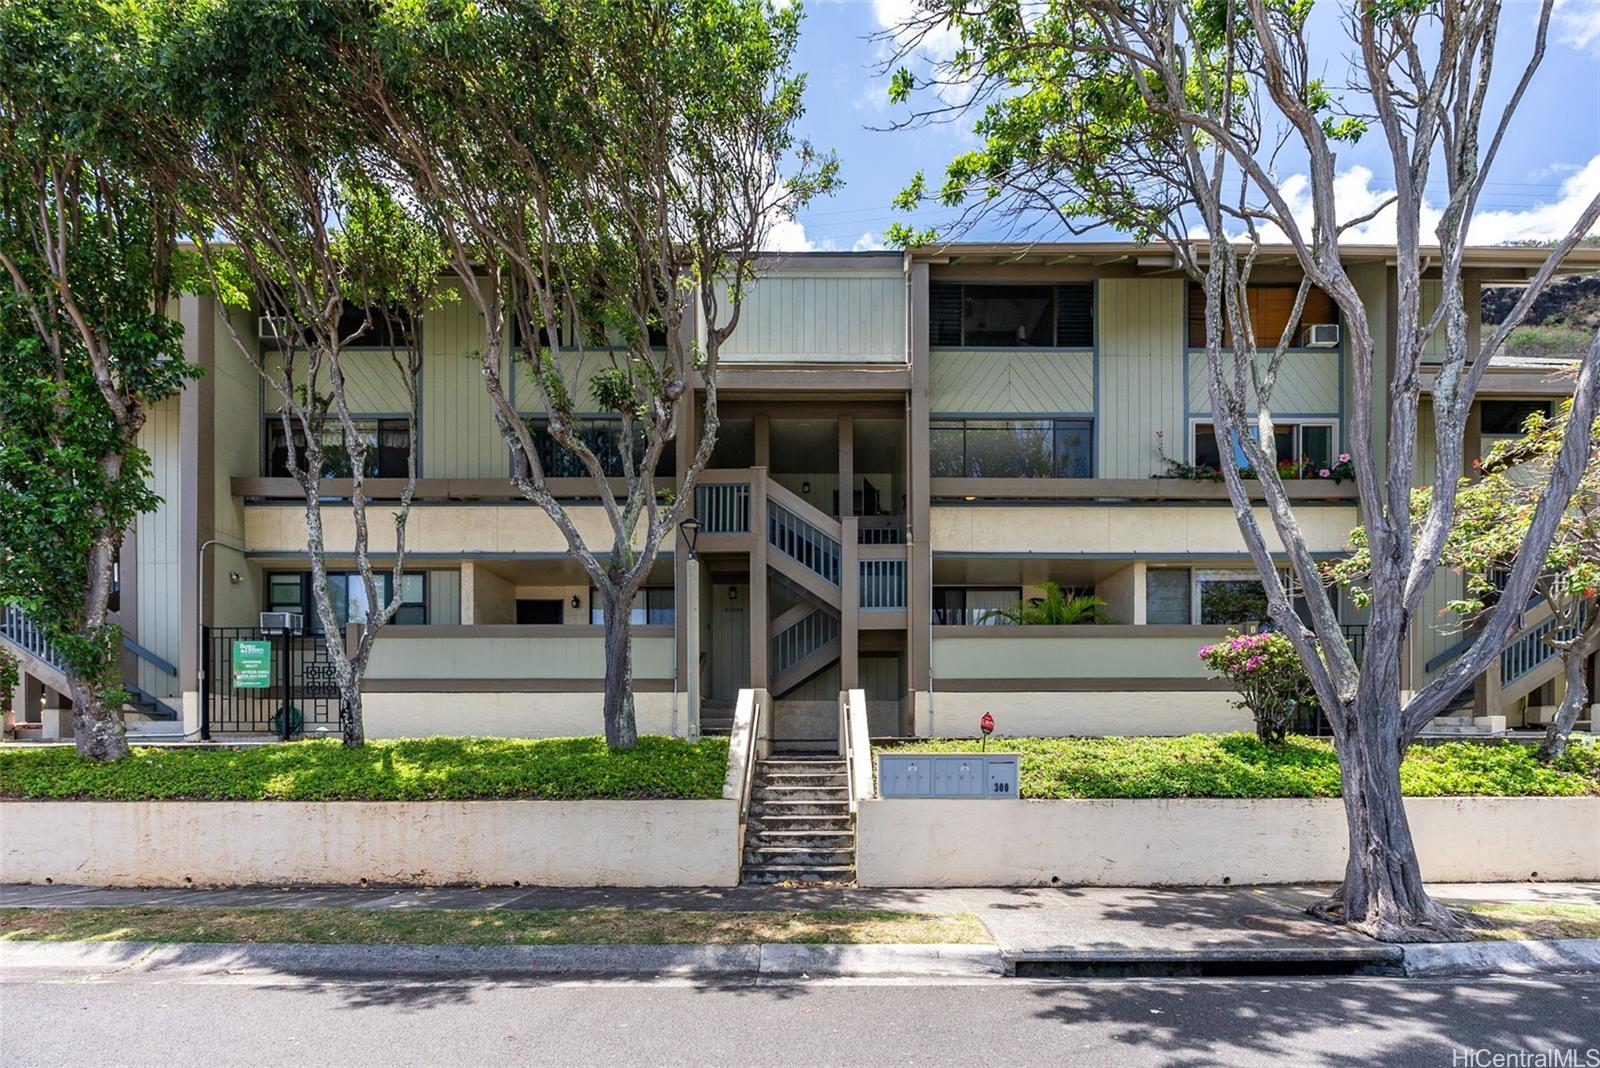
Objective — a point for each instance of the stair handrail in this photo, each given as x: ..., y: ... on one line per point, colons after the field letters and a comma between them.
x: 819, y: 622
x: 164, y: 666
x: 747, y: 742
x: 855, y: 745
x: 804, y: 509
x: 19, y: 628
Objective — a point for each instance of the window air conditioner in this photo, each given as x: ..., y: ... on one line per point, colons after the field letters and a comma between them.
x: 281, y: 622
x: 1322, y: 336
x: 273, y: 328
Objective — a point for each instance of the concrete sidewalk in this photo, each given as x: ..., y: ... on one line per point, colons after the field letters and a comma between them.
x: 1066, y: 927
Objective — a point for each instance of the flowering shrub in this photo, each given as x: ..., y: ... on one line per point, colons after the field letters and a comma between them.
x: 1267, y: 672
x: 1342, y: 470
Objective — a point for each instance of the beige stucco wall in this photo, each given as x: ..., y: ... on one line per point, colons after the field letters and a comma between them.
x: 513, y: 715
x: 507, y: 528
x: 555, y: 843
x: 1207, y: 842
x: 1116, y: 530
x: 537, y: 655
x: 1097, y: 652
x: 1080, y: 714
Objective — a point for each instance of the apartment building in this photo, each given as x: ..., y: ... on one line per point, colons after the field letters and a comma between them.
x: 912, y: 446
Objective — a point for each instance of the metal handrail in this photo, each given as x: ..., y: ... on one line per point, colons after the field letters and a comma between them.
x: 803, y: 541
x: 802, y: 638
x: 22, y: 631
x: 148, y: 657
x: 1531, y: 649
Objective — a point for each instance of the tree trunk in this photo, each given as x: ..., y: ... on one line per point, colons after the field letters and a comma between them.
x: 1577, y: 695
x: 1382, y: 894
x: 351, y: 725
x: 96, y: 728
x: 621, y: 730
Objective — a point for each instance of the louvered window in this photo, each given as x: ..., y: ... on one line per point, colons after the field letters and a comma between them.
x: 1011, y: 316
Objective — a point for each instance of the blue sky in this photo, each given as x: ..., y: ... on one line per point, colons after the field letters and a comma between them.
x: 1549, y: 165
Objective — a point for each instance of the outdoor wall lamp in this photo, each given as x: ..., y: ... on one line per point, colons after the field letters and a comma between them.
x: 733, y: 593
x: 577, y: 602
x: 691, y: 530
x: 805, y: 487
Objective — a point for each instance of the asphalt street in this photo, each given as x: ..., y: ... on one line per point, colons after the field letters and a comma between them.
x: 52, y: 1018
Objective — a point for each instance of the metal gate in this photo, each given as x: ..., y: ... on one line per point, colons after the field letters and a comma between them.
x: 301, y: 701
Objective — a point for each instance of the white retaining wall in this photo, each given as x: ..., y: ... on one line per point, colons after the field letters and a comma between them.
x: 553, y: 843
x: 916, y: 842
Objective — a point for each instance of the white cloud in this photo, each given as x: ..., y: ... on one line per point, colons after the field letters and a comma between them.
x: 867, y: 242
x: 929, y: 46
x: 1355, y: 195
x: 1577, y: 23
x: 787, y: 235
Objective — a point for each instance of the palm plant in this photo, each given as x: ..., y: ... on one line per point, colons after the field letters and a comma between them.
x: 1057, y: 608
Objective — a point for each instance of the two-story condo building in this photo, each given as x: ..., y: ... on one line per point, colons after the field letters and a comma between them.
x: 912, y: 446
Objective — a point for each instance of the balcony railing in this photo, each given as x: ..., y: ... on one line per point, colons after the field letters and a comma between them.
x: 723, y: 507
x: 883, y: 584
x: 793, y: 536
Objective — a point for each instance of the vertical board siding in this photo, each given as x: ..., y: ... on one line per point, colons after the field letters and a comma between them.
x: 158, y: 536
x: 459, y: 436
x: 1435, y: 627
x: 577, y: 373
x: 373, y: 385
x: 1308, y: 383
x: 1011, y: 381
x: 790, y: 317
x: 444, y: 598
x: 1141, y: 375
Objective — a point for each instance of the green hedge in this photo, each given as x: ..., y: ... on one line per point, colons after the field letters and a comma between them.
x: 1237, y: 765
x: 410, y: 769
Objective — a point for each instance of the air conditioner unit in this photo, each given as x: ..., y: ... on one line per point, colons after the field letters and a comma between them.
x: 281, y: 622
x: 273, y: 328
x: 1322, y: 336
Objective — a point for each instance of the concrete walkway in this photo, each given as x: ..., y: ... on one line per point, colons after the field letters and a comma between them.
x: 1066, y: 925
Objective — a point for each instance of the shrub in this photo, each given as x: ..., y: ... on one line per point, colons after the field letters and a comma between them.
x: 404, y: 769
x: 1267, y: 672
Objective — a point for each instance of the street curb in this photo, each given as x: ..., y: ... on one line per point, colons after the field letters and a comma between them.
x: 1532, y: 957
x: 499, y: 962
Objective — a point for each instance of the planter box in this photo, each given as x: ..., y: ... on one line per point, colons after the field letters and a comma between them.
x: 914, y: 842
x: 421, y: 843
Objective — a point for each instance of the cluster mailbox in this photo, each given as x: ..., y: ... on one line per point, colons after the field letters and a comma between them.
x: 992, y: 775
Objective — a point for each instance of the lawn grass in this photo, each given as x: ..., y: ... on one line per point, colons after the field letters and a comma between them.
x: 408, y: 769
x: 1238, y: 765
x: 500, y: 927
x: 1519, y: 920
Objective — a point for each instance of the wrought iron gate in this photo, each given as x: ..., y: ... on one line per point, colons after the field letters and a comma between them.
x: 302, y: 700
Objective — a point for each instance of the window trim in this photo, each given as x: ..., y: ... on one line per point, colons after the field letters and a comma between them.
x: 1055, y: 310
x: 272, y: 421
x: 1332, y: 422
x: 307, y: 605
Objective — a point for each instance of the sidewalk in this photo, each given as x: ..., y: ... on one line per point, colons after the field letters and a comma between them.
x: 1037, y: 930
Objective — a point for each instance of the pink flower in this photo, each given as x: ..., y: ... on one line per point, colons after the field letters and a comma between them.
x: 1344, y: 457
x: 1324, y: 473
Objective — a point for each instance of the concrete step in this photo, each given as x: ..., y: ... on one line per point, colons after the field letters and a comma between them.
x: 773, y: 807
x: 766, y: 856
x: 811, y: 824
x: 801, y: 793
x: 803, y: 778
x: 801, y: 763
x: 804, y: 873
x: 800, y: 838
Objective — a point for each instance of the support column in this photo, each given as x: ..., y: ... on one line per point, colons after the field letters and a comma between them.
x: 847, y: 465
x: 758, y: 569
x: 849, y: 605
x: 691, y: 631
x: 763, y: 442
x: 197, y: 489
x: 917, y: 717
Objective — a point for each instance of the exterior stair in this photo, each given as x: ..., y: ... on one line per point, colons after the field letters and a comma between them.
x: 799, y: 827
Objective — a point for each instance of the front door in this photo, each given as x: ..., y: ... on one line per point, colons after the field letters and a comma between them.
x: 730, y: 642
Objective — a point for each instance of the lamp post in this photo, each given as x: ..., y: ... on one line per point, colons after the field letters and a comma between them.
x: 690, y: 528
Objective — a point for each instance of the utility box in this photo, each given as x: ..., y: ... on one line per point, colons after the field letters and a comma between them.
x: 970, y: 775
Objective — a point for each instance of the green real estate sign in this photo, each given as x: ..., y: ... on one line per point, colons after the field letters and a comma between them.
x: 252, y: 665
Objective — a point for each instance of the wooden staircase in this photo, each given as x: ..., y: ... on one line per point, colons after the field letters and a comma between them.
x: 805, y: 555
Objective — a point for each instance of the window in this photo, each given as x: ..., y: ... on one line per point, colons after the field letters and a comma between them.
x: 974, y: 606
x: 1166, y: 596
x: 389, y: 328
x: 1307, y: 445
x: 1011, y: 316
x: 1505, y: 418
x: 539, y: 611
x: 1229, y: 597
x: 388, y: 447
x: 1269, y: 307
x: 603, y: 435
x: 1012, y: 448
x: 290, y: 591
x: 652, y: 605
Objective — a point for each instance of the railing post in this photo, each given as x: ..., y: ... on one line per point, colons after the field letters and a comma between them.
x: 205, y: 682
x: 758, y: 579
x: 849, y: 603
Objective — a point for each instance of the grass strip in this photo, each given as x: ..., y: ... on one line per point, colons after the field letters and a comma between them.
x: 1239, y: 765
x: 405, y: 769
x: 1521, y: 920
x: 499, y: 927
